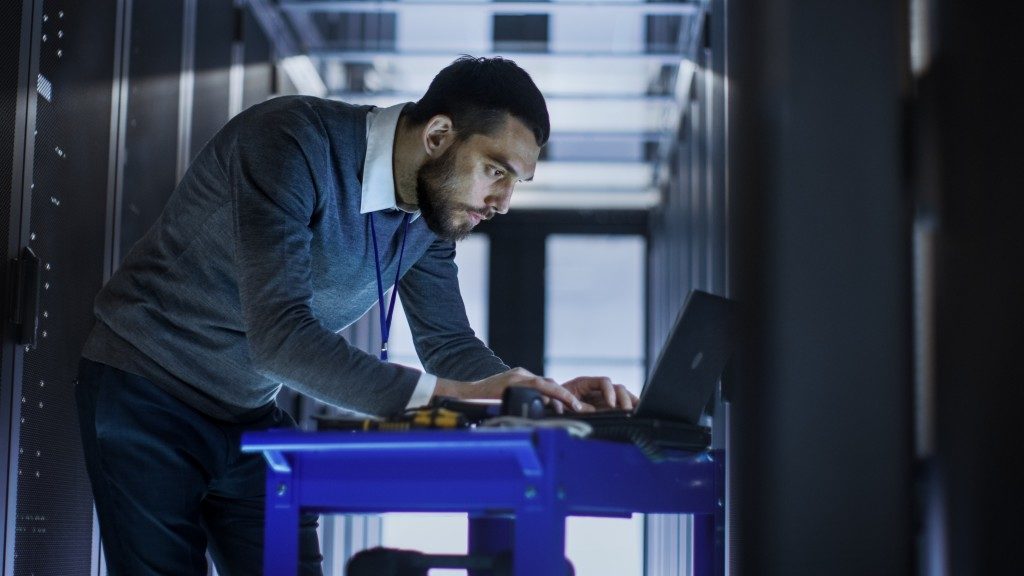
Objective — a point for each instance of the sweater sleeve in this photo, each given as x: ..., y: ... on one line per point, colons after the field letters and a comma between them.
x: 275, y: 175
x: 433, y: 303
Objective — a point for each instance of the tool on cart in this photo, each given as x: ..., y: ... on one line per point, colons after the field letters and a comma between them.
x: 445, y: 413
x: 429, y: 418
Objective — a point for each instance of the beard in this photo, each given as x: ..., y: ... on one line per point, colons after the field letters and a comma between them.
x: 437, y: 193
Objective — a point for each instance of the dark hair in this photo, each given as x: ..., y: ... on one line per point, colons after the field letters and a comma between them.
x: 477, y: 93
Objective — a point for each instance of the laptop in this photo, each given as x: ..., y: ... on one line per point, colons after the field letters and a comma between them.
x: 682, y: 382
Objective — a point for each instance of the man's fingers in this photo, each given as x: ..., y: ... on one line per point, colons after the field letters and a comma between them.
x: 551, y: 388
x: 569, y: 395
x: 603, y: 392
x: 626, y: 400
x: 600, y: 390
x: 609, y: 390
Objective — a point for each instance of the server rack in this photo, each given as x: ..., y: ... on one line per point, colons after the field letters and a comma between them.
x: 97, y: 115
x: 63, y: 196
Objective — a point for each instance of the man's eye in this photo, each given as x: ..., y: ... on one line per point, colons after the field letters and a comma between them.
x: 497, y: 172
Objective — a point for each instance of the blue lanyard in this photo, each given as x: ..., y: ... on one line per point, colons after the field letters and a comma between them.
x: 385, y: 317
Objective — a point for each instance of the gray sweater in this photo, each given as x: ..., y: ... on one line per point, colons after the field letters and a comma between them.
x: 261, y: 257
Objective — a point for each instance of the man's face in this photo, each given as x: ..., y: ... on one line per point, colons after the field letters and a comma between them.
x: 473, y: 179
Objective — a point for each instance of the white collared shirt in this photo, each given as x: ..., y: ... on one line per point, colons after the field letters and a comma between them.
x: 378, y: 169
x: 379, y: 194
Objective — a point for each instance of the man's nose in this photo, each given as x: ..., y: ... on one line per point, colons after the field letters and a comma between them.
x: 499, y: 202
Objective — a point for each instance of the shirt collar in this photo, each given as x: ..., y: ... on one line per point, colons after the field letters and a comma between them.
x: 378, y: 168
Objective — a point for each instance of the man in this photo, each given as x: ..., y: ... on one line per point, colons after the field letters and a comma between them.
x: 289, y: 225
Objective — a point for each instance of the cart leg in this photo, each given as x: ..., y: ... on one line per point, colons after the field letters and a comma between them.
x: 539, y: 544
x: 536, y: 539
x: 489, y: 535
x: 281, y: 528
x: 709, y: 529
x: 703, y: 545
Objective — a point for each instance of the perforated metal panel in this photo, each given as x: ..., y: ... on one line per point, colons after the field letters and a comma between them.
x: 10, y: 53
x: 68, y: 203
x: 215, y: 23
x: 10, y: 57
x: 259, y: 72
x: 151, y: 133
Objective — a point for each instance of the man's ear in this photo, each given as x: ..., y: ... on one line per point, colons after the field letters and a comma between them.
x: 438, y: 135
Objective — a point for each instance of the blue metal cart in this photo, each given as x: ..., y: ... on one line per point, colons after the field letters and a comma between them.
x: 517, y: 486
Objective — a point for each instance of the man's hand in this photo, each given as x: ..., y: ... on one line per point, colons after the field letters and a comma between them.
x: 493, y: 387
x: 601, y: 393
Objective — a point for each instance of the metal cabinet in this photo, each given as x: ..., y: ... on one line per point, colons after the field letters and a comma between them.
x: 96, y: 119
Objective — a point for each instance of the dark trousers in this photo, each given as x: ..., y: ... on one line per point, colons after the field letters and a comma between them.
x: 170, y: 482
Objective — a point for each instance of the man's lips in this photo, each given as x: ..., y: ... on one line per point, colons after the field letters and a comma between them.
x: 477, y: 217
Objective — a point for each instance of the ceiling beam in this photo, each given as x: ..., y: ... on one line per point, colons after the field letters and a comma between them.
x: 667, y: 8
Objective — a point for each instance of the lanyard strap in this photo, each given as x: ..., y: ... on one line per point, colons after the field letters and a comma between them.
x: 385, y: 317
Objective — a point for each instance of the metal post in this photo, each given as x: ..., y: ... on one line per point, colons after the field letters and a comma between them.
x: 281, y: 533
x: 490, y: 535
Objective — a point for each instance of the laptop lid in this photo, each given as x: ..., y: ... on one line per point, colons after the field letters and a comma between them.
x: 692, y: 359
